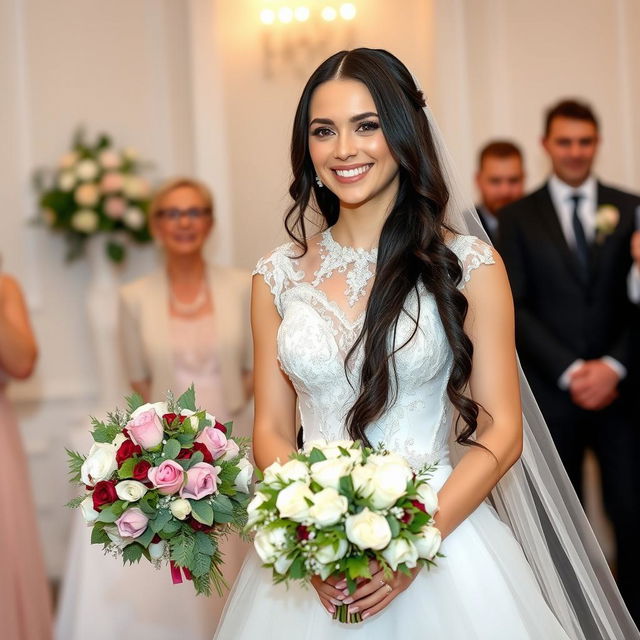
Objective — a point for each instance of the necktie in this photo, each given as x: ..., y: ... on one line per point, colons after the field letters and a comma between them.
x: 582, y: 246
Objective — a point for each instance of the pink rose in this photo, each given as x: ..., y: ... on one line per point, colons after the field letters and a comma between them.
x: 115, y: 206
x: 111, y: 182
x: 167, y: 478
x: 132, y: 523
x: 202, y: 480
x: 231, y: 451
x: 146, y: 429
x: 214, y: 440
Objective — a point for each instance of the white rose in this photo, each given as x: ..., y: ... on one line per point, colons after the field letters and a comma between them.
x: 328, y: 507
x: 130, y: 490
x: 134, y: 218
x: 109, y: 159
x: 327, y: 473
x: 87, y: 194
x: 86, y: 170
x: 159, y: 407
x: 331, y: 449
x: 85, y: 221
x: 329, y: 553
x: 292, y: 501
x: 429, y: 498
x: 156, y: 549
x: 66, y: 181
x: 314, y: 444
x: 271, y: 474
x: 135, y: 188
x: 254, y: 513
x: 89, y: 514
x: 389, y: 480
x: 361, y: 477
x: 368, y: 530
x: 100, y: 463
x: 243, y: 479
x: 269, y: 543
x: 118, y: 440
x: 180, y: 508
x: 68, y: 160
x: 116, y: 539
x: 282, y: 564
x: 428, y: 543
x: 294, y: 471
x: 399, y: 551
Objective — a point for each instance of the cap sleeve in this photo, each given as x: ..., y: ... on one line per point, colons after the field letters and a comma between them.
x: 279, y: 272
x: 472, y: 253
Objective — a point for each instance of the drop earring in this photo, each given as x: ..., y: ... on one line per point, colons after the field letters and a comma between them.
x: 319, y: 182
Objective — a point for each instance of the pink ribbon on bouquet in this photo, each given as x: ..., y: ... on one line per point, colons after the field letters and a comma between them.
x: 176, y: 574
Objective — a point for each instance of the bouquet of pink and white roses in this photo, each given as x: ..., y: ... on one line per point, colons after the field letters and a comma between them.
x: 165, y: 481
x: 337, y: 506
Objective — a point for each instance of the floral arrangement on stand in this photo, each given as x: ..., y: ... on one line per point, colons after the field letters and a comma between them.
x: 96, y: 189
x: 337, y: 506
x: 165, y: 481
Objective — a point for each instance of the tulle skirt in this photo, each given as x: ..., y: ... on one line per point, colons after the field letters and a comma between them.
x: 483, y: 589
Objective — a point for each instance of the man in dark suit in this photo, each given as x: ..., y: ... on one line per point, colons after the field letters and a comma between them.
x: 566, y: 249
x: 500, y: 181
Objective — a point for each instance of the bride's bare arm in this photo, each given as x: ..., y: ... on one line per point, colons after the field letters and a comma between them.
x: 274, y: 426
x: 494, y: 384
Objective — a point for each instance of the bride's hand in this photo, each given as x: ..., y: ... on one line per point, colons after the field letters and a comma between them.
x: 373, y: 595
x: 329, y: 595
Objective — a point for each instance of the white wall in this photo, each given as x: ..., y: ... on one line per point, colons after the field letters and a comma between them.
x: 501, y: 63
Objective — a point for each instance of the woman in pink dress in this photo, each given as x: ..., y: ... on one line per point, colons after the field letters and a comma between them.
x: 188, y: 322
x: 25, y: 610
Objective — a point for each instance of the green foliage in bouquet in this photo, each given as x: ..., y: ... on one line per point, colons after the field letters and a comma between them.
x: 165, y: 481
x: 96, y: 189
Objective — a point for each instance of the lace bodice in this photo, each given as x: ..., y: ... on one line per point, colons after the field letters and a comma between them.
x: 321, y: 298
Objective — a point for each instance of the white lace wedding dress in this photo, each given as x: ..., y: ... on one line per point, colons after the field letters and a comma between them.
x: 483, y: 588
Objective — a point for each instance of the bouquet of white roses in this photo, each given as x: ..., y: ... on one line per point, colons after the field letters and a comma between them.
x: 165, y: 481
x: 337, y: 506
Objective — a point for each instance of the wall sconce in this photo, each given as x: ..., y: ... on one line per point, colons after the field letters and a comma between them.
x: 297, y: 34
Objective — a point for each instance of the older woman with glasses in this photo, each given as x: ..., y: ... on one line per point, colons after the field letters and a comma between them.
x: 188, y: 322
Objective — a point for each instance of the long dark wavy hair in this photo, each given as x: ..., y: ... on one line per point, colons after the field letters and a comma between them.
x: 411, y: 247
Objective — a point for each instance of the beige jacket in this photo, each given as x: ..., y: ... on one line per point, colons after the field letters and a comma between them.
x: 144, y: 331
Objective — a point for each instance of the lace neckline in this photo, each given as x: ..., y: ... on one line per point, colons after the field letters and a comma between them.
x: 360, y: 264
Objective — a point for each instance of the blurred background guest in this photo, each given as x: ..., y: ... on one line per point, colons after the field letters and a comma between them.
x: 25, y: 610
x: 634, y: 276
x: 186, y: 323
x: 566, y: 249
x: 500, y: 181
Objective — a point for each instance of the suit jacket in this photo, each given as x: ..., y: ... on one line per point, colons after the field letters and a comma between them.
x: 560, y: 316
x: 144, y: 331
x: 493, y: 235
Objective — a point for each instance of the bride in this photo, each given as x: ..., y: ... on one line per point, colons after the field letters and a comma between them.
x: 391, y: 326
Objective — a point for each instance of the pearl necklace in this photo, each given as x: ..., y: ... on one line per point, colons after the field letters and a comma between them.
x: 193, y: 307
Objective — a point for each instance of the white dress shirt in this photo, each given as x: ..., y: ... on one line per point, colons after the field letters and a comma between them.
x: 561, y: 196
x: 633, y: 284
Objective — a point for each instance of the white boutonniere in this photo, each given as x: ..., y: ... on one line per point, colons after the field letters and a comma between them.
x: 607, y: 218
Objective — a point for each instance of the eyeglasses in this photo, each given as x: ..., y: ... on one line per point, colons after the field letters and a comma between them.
x: 193, y: 213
